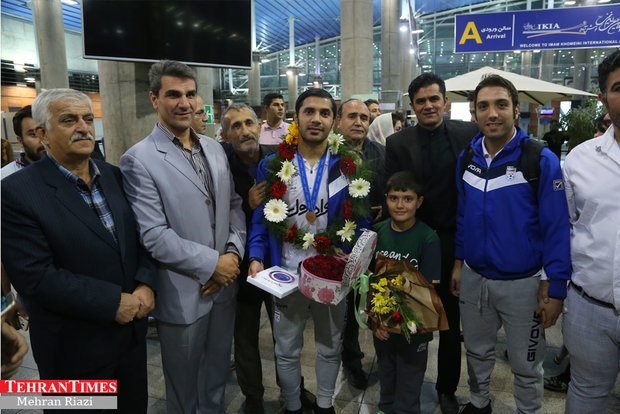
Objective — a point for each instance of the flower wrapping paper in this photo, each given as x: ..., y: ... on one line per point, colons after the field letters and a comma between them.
x: 420, y: 294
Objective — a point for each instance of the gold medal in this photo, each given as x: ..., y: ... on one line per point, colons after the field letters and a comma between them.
x: 311, y: 217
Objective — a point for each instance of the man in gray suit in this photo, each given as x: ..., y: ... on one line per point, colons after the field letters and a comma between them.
x: 190, y: 219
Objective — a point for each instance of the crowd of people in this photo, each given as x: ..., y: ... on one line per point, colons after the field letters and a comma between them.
x: 507, y: 236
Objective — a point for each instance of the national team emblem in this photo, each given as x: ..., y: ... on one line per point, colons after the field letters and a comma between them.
x: 281, y: 277
x: 511, y: 172
x: 558, y: 185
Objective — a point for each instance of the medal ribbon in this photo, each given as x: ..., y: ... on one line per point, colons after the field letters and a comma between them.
x: 311, y: 201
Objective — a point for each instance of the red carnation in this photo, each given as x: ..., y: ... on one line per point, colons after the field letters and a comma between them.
x: 291, y: 234
x: 397, y: 317
x: 278, y: 189
x: 321, y: 243
x: 286, y: 151
x: 347, y: 166
x: 347, y: 210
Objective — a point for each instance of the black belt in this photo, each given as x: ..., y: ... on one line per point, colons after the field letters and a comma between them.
x: 585, y: 295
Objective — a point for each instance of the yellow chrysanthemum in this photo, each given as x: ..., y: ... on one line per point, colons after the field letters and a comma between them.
x: 397, y: 281
x: 383, y: 282
x: 293, y: 134
x: 376, y: 287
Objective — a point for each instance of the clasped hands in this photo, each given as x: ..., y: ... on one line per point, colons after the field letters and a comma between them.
x: 135, y: 305
x: 225, y: 273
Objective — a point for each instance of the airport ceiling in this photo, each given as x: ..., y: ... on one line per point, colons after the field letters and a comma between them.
x: 314, y: 18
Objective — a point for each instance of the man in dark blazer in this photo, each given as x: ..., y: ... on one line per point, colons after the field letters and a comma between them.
x: 70, y: 242
x: 430, y: 150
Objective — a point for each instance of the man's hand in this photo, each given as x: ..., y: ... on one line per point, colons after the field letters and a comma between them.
x: 146, y: 296
x: 226, y: 270
x: 549, y: 309
x: 208, y: 288
x: 455, y: 282
x: 14, y: 348
x: 255, y: 267
x: 256, y: 194
x: 128, y: 308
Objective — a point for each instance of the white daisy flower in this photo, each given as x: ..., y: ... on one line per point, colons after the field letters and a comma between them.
x: 412, y: 327
x: 348, y: 231
x: 334, y: 141
x: 286, y: 172
x: 359, y: 188
x: 275, y: 210
x: 308, y: 241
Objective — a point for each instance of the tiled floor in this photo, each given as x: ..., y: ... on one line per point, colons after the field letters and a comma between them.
x: 349, y: 400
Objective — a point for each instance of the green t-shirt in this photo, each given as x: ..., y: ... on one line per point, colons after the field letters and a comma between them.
x: 420, y: 245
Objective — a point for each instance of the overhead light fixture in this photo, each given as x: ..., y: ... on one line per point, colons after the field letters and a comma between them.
x: 29, y: 79
x: 423, y: 53
x: 289, y: 72
x: 265, y: 60
x: 69, y: 2
x: 416, y: 31
x: 604, y: 1
x: 403, y: 28
x: 411, y: 51
x: 569, y: 3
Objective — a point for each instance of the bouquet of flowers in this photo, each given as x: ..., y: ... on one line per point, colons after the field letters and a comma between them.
x: 402, y: 299
x: 326, y: 266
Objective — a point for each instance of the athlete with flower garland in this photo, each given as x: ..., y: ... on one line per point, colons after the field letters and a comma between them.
x: 316, y: 200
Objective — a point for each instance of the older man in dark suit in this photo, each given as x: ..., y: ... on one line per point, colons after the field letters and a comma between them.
x: 430, y: 150
x: 70, y: 242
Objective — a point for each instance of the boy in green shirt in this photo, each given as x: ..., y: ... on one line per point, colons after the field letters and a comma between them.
x: 402, y: 364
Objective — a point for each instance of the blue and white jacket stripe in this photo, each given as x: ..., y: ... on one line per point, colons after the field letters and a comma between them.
x: 504, y: 231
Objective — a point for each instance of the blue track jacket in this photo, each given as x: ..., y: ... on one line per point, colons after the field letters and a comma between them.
x: 504, y: 231
x: 261, y: 242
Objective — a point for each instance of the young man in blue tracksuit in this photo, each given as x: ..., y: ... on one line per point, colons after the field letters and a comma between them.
x: 512, y: 249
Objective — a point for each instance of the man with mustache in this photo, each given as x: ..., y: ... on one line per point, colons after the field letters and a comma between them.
x: 190, y: 220
x: 353, y: 121
x: 24, y: 128
x: 274, y: 129
x: 430, y: 150
x: 69, y: 241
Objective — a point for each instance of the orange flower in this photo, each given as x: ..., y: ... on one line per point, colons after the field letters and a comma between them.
x: 293, y: 134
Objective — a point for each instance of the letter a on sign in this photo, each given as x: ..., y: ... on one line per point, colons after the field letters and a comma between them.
x: 470, y: 32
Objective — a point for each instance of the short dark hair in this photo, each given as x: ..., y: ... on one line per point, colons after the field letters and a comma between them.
x: 270, y: 97
x: 601, y: 124
x: 341, y: 107
x: 25, y: 112
x: 396, y: 116
x: 496, y: 80
x: 168, y: 68
x: 315, y: 92
x: 369, y: 102
x: 424, y: 80
x: 611, y: 63
x: 471, y: 96
x: 403, y: 181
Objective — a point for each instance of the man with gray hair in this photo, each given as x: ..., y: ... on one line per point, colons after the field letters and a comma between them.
x: 191, y: 222
x: 70, y: 241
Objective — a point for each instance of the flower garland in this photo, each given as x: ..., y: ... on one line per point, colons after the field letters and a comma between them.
x: 356, y: 206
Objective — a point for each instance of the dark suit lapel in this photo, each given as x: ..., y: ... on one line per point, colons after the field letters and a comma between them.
x: 453, y: 135
x: 69, y: 197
